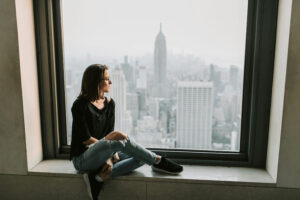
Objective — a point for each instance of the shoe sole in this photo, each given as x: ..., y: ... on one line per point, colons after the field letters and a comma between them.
x: 88, y: 186
x: 164, y: 171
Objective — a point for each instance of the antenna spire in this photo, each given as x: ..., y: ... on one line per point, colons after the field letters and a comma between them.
x: 160, y: 27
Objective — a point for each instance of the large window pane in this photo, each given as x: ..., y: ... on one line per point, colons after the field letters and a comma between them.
x: 176, y: 67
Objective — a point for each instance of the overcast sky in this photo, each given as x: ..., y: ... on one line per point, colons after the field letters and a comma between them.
x: 212, y: 29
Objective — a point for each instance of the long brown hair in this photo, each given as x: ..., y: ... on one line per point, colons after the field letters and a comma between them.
x: 92, y: 81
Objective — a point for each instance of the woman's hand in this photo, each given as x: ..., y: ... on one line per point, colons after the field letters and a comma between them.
x: 116, y: 158
x: 90, y: 141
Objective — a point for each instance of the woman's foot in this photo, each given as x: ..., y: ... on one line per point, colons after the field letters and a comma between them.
x: 105, y: 171
x: 167, y: 166
x: 104, y: 176
x: 93, y: 186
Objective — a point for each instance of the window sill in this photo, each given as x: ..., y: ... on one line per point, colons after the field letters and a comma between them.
x: 191, y: 174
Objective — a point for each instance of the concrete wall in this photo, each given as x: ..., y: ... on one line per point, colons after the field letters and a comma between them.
x: 20, y: 144
x: 63, y: 188
x: 29, y: 81
x: 12, y: 143
x: 289, y: 154
x: 281, y: 53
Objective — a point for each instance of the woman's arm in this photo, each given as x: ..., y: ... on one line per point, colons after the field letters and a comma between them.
x: 91, y: 140
x: 111, y: 117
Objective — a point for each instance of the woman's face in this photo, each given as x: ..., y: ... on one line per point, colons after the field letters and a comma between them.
x: 106, y: 82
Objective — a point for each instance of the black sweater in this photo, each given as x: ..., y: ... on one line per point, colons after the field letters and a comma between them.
x: 89, y: 121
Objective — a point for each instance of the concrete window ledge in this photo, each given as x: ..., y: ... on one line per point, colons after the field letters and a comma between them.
x: 192, y: 174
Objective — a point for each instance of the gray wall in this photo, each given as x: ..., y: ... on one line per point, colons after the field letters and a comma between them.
x: 12, y: 143
x: 58, y: 188
x: 289, y: 159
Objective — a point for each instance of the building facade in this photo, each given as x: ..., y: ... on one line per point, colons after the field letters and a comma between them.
x: 194, y: 115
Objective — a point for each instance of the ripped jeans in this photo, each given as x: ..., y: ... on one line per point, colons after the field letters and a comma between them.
x: 131, y: 155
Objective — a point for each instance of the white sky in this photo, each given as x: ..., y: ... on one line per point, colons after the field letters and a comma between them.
x: 212, y: 29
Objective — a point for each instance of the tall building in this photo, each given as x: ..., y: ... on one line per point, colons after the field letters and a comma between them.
x: 235, y: 141
x: 141, y: 89
x: 154, y: 107
x: 141, y: 82
x: 128, y: 72
x: 160, y: 65
x: 215, y: 77
x: 72, y: 89
x: 231, y: 102
x: 142, y: 102
x: 118, y: 93
x: 132, y: 105
x: 233, y: 76
x: 69, y: 89
x: 127, y: 123
x: 194, y: 114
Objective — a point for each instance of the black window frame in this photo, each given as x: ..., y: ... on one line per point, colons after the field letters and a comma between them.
x: 257, y: 88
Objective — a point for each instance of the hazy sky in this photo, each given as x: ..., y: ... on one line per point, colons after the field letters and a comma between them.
x: 212, y: 29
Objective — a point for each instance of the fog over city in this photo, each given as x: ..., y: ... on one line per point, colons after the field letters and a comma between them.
x: 212, y: 29
x: 176, y: 66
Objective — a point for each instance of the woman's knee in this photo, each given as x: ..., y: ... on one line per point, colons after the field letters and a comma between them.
x: 116, y: 135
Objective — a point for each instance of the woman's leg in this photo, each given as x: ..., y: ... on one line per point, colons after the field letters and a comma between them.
x: 125, y: 165
x: 121, y: 142
x: 98, y: 153
x: 95, y: 156
x: 128, y: 146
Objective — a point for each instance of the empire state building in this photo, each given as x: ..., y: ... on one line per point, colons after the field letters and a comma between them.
x: 160, y: 65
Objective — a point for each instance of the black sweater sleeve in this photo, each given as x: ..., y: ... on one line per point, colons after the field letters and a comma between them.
x: 111, y: 117
x: 80, y: 126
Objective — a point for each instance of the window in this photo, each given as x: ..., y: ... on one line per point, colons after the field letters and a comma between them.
x: 204, y: 39
x: 195, y: 84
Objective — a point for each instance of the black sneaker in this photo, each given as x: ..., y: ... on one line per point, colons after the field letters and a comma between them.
x: 167, y: 166
x: 93, y: 186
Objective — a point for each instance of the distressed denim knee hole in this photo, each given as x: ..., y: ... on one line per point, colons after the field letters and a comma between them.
x: 118, y: 145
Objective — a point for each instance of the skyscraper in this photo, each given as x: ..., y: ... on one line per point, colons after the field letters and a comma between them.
x: 233, y: 76
x: 194, y: 114
x: 160, y: 65
x: 141, y: 82
x: 132, y: 105
x: 118, y: 93
x: 128, y: 72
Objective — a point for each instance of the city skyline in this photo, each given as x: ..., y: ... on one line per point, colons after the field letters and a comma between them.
x: 166, y: 100
x: 204, y: 114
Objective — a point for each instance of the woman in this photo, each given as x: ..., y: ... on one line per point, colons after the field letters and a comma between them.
x: 96, y: 149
